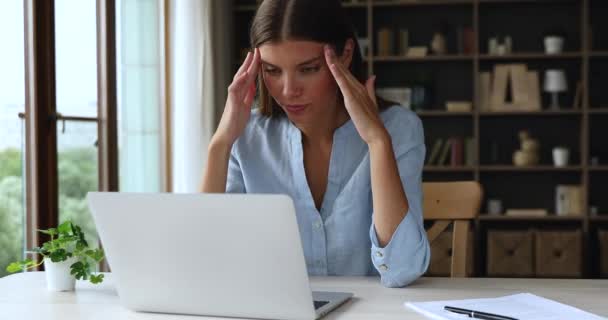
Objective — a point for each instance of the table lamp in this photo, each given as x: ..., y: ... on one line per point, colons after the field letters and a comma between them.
x: 555, y: 82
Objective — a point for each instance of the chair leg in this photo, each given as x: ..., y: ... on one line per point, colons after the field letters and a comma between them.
x: 459, y: 248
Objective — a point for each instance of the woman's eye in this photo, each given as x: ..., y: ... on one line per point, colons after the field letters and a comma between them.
x: 310, y: 69
x: 271, y: 71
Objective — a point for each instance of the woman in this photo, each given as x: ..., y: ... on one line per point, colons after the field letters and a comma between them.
x: 351, y: 163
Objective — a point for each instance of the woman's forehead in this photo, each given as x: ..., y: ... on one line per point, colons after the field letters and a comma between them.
x: 290, y: 52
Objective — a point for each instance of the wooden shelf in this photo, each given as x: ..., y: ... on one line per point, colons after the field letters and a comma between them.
x: 428, y: 58
x: 548, y: 112
x: 357, y: 4
x: 539, y: 168
x: 487, y: 217
x: 599, y: 54
x: 599, y: 218
x: 598, y: 168
x: 448, y: 168
x: 601, y: 110
x: 439, y: 113
x: 403, y: 3
x: 524, y: 1
x: 531, y: 56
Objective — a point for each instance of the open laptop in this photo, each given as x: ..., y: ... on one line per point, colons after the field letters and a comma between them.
x: 231, y: 255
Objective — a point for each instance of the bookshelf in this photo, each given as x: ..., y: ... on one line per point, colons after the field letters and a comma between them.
x: 454, y: 76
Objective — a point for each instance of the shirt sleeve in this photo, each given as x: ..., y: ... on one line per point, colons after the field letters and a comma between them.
x: 406, y: 257
x: 234, y: 180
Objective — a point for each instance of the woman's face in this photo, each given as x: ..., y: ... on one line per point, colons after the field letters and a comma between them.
x: 298, y: 78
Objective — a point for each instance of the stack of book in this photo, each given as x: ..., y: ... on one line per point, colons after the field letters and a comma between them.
x: 453, y: 151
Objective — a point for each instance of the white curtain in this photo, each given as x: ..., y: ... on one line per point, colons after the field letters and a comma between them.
x: 200, y: 51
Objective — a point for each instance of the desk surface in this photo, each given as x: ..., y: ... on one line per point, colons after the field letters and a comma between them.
x: 24, y: 296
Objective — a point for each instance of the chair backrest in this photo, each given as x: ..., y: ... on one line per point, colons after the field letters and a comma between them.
x: 455, y: 202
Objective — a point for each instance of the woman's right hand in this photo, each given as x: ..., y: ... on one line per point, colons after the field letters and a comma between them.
x: 241, y: 93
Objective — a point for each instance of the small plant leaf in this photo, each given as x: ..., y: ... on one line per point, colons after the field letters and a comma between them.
x: 65, y: 228
x: 95, y: 279
x: 14, y: 267
x: 58, y: 255
x: 50, y: 232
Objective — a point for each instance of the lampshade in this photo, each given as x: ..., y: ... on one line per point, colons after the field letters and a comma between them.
x: 555, y: 81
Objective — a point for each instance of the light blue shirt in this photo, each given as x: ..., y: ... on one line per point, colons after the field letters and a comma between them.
x: 340, y: 239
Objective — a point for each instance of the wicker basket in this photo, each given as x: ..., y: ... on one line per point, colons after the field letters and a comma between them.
x: 510, y: 253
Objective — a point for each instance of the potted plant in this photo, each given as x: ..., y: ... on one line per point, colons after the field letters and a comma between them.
x: 66, y: 257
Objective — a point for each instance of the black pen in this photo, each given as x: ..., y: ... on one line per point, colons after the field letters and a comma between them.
x: 478, y: 314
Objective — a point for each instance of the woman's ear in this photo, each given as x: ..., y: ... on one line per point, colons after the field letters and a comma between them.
x: 347, y: 53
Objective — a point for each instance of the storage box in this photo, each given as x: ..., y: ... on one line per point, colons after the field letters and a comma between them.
x: 441, y: 256
x: 602, y: 236
x: 558, y: 253
x: 510, y: 253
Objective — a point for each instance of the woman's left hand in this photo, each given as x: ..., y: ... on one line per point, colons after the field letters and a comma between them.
x: 359, y: 100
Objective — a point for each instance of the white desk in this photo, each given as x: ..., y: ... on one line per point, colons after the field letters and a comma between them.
x: 24, y: 296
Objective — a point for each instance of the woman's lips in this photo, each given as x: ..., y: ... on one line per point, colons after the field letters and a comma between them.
x: 295, y: 108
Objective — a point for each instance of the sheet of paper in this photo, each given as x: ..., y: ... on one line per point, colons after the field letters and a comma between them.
x: 521, y: 306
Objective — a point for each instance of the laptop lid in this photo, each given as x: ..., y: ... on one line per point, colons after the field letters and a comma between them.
x: 236, y: 255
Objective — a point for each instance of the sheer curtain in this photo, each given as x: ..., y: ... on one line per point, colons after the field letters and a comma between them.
x: 200, y: 52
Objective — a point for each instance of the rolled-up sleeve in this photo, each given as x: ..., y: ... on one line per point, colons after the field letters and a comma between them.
x: 406, y: 257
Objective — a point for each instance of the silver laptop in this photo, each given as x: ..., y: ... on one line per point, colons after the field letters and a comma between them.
x: 231, y: 255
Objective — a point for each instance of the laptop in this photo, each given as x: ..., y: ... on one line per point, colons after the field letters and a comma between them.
x: 228, y: 255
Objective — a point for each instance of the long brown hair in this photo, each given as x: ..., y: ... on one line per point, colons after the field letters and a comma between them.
x: 322, y: 21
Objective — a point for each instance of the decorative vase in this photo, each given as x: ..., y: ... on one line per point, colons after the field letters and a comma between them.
x: 58, y: 277
x: 438, y: 44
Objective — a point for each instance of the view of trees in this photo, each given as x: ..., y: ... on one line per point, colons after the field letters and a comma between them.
x: 77, y: 176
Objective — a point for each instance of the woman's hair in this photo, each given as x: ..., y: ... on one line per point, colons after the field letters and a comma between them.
x: 322, y: 21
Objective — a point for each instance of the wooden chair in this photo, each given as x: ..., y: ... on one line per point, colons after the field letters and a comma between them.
x: 452, y: 202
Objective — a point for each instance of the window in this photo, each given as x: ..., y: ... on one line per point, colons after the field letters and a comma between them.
x: 12, y: 102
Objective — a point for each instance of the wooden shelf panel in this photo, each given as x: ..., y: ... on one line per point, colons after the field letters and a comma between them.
x: 448, y: 169
x: 439, y: 113
x: 524, y: 1
x: 599, y: 54
x: 531, y: 56
x: 539, y: 168
x: 562, y: 112
x: 404, y: 3
x: 599, y: 218
x: 487, y: 217
x: 428, y: 58
x: 600, y: 110
x: 599, y: 168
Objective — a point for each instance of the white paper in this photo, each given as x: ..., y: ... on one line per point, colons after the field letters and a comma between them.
x: 521, y: 306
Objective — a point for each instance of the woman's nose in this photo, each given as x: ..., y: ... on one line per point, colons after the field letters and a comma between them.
x: 290, y: 87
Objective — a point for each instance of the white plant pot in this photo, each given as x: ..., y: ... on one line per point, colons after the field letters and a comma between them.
x: 58, y: 277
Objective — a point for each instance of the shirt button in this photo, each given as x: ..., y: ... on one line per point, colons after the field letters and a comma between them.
x: 317, y: 224
x: 319, y: 263
x: 383, y: 267
x: 379, y: 254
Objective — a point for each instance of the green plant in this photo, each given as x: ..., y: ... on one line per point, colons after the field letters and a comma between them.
x: 67, y: 240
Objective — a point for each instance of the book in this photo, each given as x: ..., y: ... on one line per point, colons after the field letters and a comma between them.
x: 519, y: 85
x: 457, y: 152
x: 484, y: 90
x: 534, y: 91
x: 526, y: 212
x: 500, y: 84
x: 443, y: 158
x: 469, y: 151
x: 569, y: 200
x: 458, y: 106
x: 435, y: 151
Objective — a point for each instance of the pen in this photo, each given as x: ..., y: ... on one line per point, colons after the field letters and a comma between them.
x: 478, y: 314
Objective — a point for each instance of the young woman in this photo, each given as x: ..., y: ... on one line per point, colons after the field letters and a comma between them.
x: 351, y: 162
